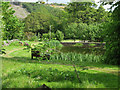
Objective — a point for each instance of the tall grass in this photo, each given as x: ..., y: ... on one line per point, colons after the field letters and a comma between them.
x: 76, y: 57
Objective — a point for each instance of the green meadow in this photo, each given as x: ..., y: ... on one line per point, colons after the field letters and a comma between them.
x: 19, y: 71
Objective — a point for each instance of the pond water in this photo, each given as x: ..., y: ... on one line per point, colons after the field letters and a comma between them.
x: 83, y: 50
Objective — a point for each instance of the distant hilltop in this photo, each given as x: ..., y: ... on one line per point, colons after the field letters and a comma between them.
x: 11, y: 0
x: 22, y: 12
x: 56, y: 6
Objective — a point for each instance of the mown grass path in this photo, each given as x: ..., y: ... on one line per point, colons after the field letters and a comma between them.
x: 7, y: 54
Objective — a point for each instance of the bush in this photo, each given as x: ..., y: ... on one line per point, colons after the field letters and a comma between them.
x: 44, y: 48
x: 59, y: 35
x: 30, y: 36
x: 55, y: 43
x: 45, y: 36
x: 48, y: 36
x: 52, y: 35
x: 34, y: 38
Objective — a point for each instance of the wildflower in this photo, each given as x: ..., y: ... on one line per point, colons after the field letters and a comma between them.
x: 26, y: 44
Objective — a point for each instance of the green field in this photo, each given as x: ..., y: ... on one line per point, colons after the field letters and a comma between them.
x: 19, y: 71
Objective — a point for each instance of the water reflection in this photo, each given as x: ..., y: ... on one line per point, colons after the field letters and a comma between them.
x: 83, y: 50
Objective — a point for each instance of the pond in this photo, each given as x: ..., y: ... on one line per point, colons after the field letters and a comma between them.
x: 83, y: 50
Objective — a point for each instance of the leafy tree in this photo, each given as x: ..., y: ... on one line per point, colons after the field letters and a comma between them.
x: 112, y: 38
x: 37, y: 23
x: 86, y: 12
x: 52, y: 35
x: 102, y: 15
x: 13, y: 28
x: 71, y: 31
x: 82, y: 31
x: 59, y: 35
x: 29, y: 36
x: 81, y: 11
x: 48, y: 36
x: 58, y: 16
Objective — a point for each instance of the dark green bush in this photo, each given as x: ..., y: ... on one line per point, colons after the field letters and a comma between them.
x: 55, y: 43
x: 48, y: 36
x: 34, y: 38
x: 59, y: 35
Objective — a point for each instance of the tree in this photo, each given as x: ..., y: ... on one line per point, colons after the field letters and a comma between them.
x: 81, y: 12
x: 71, y: 31
x: 59, y: 35
x: 82, y: 31
x: 13, y: 28
x: 58, y: 17
x: 48, y: 35
x: 112, y: 38
x: 37, y: 22
x: 85, y: 12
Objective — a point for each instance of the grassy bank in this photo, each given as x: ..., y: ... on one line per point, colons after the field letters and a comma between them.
x: 19, y: 71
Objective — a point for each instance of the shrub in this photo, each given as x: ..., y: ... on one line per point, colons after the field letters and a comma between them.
x: 48, y: 36
x: 44, y: 48
x: 28, y: 35
x: 34, y: 38
x: 59, y: 35
x: 52, y: 35
x: 45, y: 36
x: 54, y: 43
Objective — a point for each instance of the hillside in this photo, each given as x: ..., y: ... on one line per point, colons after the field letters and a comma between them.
x: 19, y: 11
x: 56, y: 6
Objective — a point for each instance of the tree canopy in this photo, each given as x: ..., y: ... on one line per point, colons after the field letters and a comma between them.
x: 37, y: 22
x: 86, y: 12
x: 13, y: 27
x: 112, y: 38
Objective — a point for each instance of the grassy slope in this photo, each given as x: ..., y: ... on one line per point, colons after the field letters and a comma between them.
x: 20, y: 71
